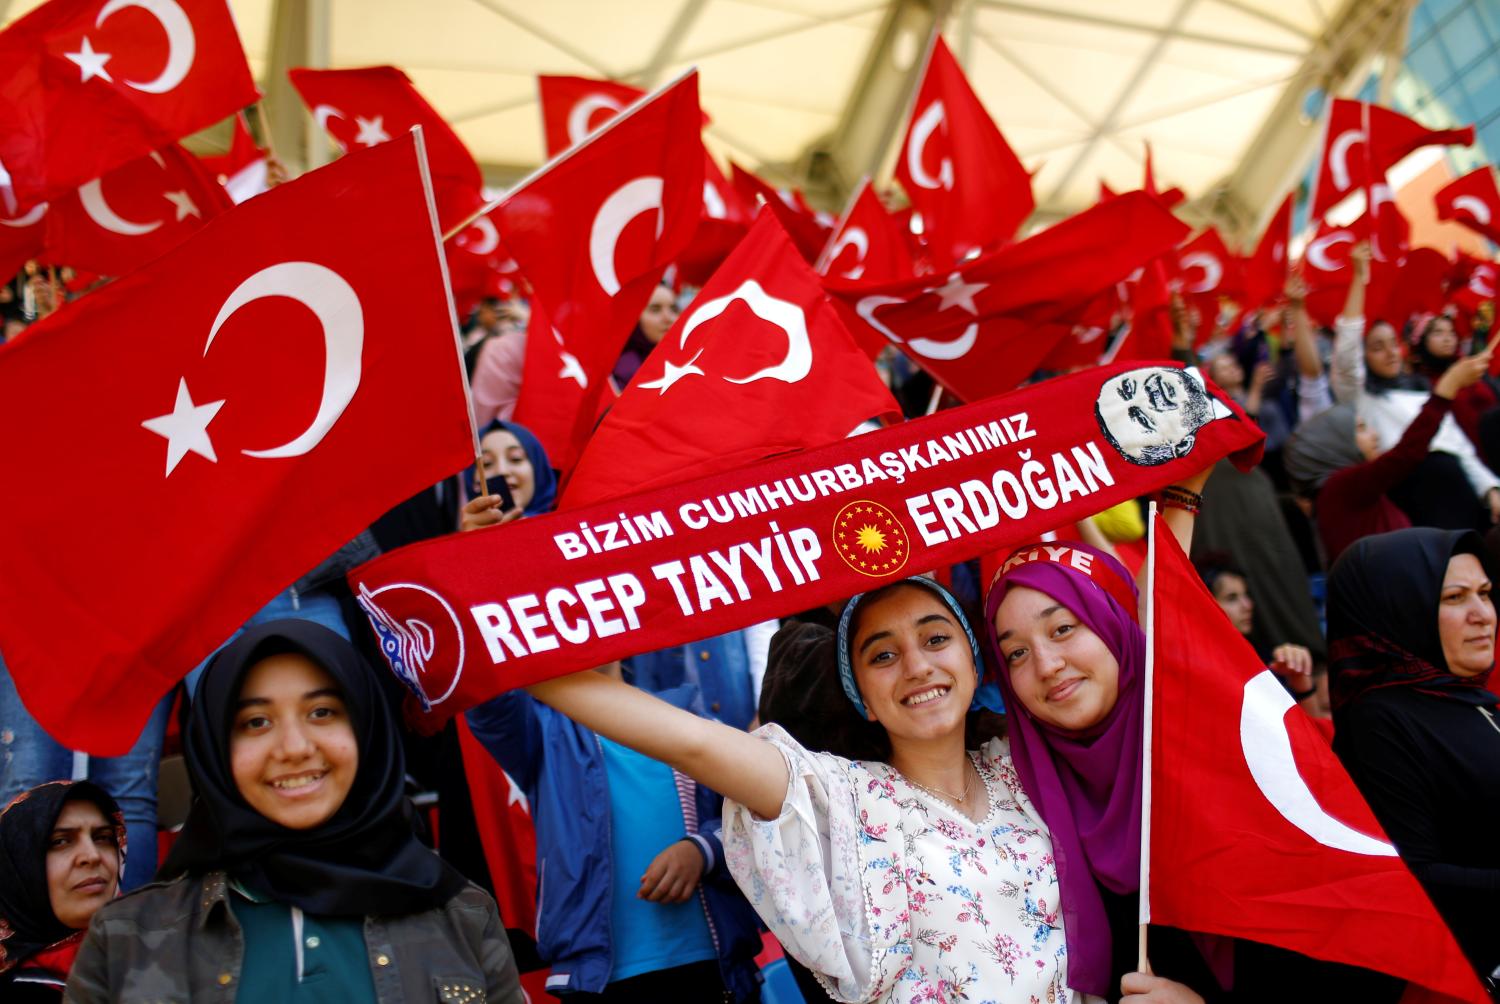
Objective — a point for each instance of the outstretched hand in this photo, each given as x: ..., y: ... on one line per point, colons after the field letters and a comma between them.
x: 485, y: 511
x: 1462, y: 373
x: 1143, y: 988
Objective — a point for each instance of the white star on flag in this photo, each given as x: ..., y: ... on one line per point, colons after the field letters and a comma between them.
x: 673, y: 373
x: 573, y: 370
x: 515, y: 795
x: 371, y: 131
x: 957, y: 293
x: 186, y: 428
x: 184, y: 203
x: 91, y: 63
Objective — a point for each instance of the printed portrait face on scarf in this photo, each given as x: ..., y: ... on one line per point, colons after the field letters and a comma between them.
x: 1152, y: 415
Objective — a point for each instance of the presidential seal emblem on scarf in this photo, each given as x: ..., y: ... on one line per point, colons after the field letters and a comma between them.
x: 870, y: 539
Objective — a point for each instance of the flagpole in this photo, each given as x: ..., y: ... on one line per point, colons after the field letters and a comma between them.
x: 936, y: 399
x: 265, y: 128
x: 571, y: 151
x: 1143, y: 964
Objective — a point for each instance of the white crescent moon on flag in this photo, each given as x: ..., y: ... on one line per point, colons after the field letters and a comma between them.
x: 856, y: 238
x: 1475, y: 207
x: 92, y: 197
x: 1213, y: 271
x: 784, y: 314
x: 490, y: 237
x: 1338, y: 156
x: 623, y: 205
x: 1268, y: 754
x: 1317, y: 251
x: 337, y: 308
x: 956, y: 349
x: 322, y: 113
x: 1482, y: 283
x: 578, y: 118
x: 713, y: 202
x: 921, y: 131
x: 182, y: 44
x: 32, y: 215
x: 866, y: 308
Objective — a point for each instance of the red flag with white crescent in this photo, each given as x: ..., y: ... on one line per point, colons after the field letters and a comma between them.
x: 1364, y: 141
x: 1473, y: 202
x: 760, y: 343
x: 134, y: 214
x: 311, y: 341
x: 986, y: 325
x: 573, y: 107
x: 370, y: 105
x: 1265, y: 271
x: 957, y: 169
x: 1256, y: 829
x: 868, y: 244
x: 91, y: 85
x: 596, y: 228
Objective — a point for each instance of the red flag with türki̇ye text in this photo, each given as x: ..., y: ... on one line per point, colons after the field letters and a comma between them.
x: 461, y: 620
x: 961, y: 175
x: 92, y: 85
x: 1256, y: 830
x: 988, y: 324
x: 758, y: 365
x: 248, y: 403
x: 369, y: 105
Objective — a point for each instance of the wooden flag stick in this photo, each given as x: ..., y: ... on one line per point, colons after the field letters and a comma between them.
x: 265, y: 128
x: 936, y: 399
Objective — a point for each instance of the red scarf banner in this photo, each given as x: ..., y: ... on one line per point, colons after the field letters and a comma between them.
x: 465, y: 617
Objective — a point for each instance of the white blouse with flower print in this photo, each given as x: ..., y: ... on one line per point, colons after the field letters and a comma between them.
x: 889, y: 894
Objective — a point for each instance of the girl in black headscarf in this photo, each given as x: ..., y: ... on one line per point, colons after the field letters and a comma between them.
x: 298, y: 874
x: 62, y: 846
x: 1411, y: 627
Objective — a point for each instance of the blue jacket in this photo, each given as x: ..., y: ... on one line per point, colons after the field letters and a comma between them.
x: 718, y: 667
x: 560, y: 764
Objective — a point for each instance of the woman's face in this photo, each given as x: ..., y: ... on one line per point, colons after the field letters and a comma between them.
x: 1061, y: 671
x: 913, y: 664
x: 504, y: 456
x: 660, y: 314
x: 292, y: 748
x: 1233, y: 596
x: 1225, y: 370
x: 1441, y: 339
x: 83, y: 863
x: 1382, y: 354
x: 1466, y: 617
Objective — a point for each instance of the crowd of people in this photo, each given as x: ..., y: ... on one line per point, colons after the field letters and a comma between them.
x: 928, y: 792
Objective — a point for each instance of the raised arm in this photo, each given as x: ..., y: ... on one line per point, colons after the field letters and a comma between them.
x: 734, y: 763
x: 1304, y: 347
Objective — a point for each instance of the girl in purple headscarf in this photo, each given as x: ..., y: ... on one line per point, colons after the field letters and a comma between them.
x: 1063, y: 627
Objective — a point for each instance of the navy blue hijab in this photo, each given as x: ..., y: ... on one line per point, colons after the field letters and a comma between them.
x: 544, y: 495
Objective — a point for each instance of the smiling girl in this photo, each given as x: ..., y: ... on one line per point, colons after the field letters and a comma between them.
x: 298, y: 875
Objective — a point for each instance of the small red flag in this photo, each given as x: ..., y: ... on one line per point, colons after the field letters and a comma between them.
x: 573, y: 107
x: 298, y: 356
x: 242, y: 170
x: 1265, y: 271
x: 797, y: 218
x: 1472, y: 201
x: 1256, y: 829
x: 91, y: 86
x: 960, y: 174
x: 1363, y: 142
x: 868, y: 243
x: 363, y: 107
x: 983, y: 329
x: 134, y: 214
x: 759, y: 364
x: 555, y: 392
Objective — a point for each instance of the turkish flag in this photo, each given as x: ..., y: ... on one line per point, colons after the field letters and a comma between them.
x: 991, y: 322
x: 90, y: 86
x: 1472, y: 201
x: 134, y: 214
x: 724, y: 223
x: 1150, y: 335
x: 479, y: 266
x: 868, y: 244
x: 1256, y: 830
x: 759, y: 364
x: 241, y: 170
x: 595, y: 229
x: 312, y: 347
x: 370, y: 105
x: 1364, y: 141
x: 573, y: 107
x: 556, y: 393
x: 22, y: 235
x: 1265, y: 272
x: 957, y: 169
x: 1172, y: 197
x: 1206, y: 272
x: 796, y: 216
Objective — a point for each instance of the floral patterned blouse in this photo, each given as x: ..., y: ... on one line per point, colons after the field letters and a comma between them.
x: 889, y: 894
